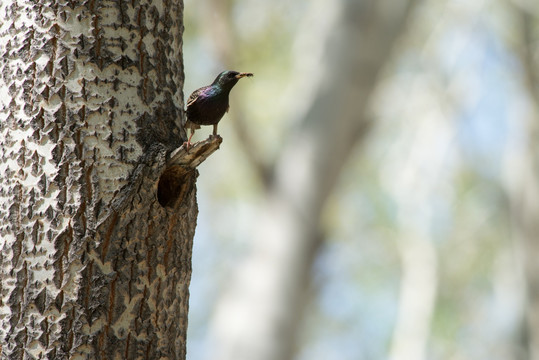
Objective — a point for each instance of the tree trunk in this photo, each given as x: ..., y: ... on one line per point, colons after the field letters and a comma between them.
x: 95, y: 249
x: 522, y: 178
x: 415, y: 193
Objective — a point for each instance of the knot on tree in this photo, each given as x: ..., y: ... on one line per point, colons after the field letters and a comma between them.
x: 180, y: 170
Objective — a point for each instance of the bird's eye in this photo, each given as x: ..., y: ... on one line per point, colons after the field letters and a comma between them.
x: 231, y: 75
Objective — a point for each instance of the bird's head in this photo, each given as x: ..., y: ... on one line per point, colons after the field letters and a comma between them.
x: 227, y: 79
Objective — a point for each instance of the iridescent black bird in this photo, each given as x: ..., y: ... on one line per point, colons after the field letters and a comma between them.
x: 207, y: 105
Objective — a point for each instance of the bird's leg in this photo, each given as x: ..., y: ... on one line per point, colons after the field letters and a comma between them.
x: 188, y: 143
x: 215, y: 130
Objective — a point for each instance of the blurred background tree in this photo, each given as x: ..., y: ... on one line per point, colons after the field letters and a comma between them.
x: 376, y: 194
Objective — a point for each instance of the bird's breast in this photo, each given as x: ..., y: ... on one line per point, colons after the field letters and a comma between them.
x: 207, y: 110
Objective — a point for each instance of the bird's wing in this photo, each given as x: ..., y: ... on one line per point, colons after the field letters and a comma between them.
x: 194, y: 96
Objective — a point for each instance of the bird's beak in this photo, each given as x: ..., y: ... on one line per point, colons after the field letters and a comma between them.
x: 240, y: 75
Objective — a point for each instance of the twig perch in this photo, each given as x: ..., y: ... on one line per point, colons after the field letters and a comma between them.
x: 198, y: 152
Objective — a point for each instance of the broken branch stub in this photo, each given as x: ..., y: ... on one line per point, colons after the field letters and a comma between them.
x: 180, y: 170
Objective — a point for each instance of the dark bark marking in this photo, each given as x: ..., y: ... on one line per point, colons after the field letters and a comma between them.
x: 140, y: 48
x: 39, y: 300
x: 61, y: 245
x: 96, y: 32
x: 111, y: 304
x: 157, y: 303
x: 71, y: 338
x: 122, y: 12
x: 148, y: 348
x: 33, y: 70
x: 141, y: 308
x: 88, y: 175
x: 78, y: 145
x: 16, y: 209
x: 55, y: 29
x: 45, y: 336
x: 130, y: 282
x: 126, y: 353
x: 140, y: 43
x: 108, y: 234
x: 89, y: 272
x: 101, y: 344
x: 34, y: 234
x: 85, y: 97
x: 81, y: 211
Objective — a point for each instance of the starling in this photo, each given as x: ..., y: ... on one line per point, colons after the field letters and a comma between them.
x: 207, y: 105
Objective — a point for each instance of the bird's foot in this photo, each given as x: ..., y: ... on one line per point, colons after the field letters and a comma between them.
x: 187, y: 144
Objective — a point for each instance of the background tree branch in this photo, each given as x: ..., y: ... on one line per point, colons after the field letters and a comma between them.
x: 287, y: 235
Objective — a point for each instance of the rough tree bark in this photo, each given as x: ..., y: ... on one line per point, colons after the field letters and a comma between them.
x: 96, y: 217
x: 258, y: 315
